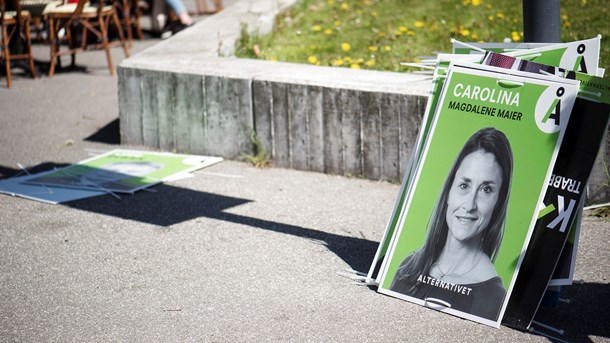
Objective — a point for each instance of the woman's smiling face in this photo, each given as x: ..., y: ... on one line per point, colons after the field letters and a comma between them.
x: 473, y: 195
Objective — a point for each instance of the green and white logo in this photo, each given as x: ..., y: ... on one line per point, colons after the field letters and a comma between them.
x: 577, y: 60
x: 548, y: 110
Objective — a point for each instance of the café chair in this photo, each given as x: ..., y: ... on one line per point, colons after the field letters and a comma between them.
x: 37, y: 24
x: 130, y: 14
x: 15, y: 41
x: 84, y: 27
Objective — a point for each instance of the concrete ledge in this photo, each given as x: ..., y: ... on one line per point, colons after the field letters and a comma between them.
x: 189, y: 94
x: 184, y: 94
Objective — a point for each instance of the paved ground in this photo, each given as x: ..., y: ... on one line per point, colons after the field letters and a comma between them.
x: 233, y: 254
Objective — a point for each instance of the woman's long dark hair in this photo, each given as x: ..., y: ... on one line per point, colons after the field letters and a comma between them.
x: 488, y: 140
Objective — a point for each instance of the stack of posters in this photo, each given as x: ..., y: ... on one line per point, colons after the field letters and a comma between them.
x: 117, y: 171
x: 495, y: 185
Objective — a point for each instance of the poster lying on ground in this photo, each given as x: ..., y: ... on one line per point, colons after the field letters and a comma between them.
x: 124, y: 171
x: 470, y: 210
x: 17, y: 186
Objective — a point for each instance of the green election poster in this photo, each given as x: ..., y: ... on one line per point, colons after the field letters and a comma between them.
x: 549, y: 249
x: 437, y: 85
x: 124, y: 171
x: 581, y: 56
x: 564, y: 271
x: 470, y: 209
x: 438, y: 81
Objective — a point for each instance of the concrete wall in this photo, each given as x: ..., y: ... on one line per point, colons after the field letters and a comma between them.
x: 314, y: 125
x: 337, y: 130
x: 189, y: 95
x: 185, y: 112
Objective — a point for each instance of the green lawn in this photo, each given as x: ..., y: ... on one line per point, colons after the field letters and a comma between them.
x: 379, y: 34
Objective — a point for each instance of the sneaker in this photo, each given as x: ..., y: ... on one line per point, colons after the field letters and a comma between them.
x: 168, y: 29
x: 166, y: 34
x: 179, y: 27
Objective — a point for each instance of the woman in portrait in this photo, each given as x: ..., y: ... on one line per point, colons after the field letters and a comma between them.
x: 454, y: 267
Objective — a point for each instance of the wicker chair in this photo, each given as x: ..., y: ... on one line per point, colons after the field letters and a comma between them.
x: 84, y: 27
x: 15, y: 37
x: 130, y: 14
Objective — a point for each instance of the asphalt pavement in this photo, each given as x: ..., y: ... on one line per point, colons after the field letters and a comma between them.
x: 233, y: 254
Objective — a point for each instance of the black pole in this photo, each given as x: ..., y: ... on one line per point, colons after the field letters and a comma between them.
x: 541, y: 21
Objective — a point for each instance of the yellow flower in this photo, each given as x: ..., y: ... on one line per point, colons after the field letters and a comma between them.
x: 328, y: 32
x: 359, y: 60
x: 474, y: 36
x: 330, y: 2
x: 346, y: 47
x: 344, y: 6
x: 465, y: 2
x: 312, y: 59
x: 465, y: 32
x: 398, y: 33
x: 273, y: 59
x: 476, y: 2
x: 490, y: 18
x: 370, y: 63
x: 403, y: 29
x: 387, y: 48
x: 337, y: 62
x: 419, y: 24
x: 337, y: 23
x: 564, y: 17
x: 316, y: 28
x: 355, y: 66
x: 500, y: 15
x: 381, y: 34
x: 347, y: 59
x: 373, y: 48
x: 515, y: 36
x: 411, y: 33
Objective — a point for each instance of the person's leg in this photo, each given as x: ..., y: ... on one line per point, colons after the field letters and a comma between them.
x: 178, y: 7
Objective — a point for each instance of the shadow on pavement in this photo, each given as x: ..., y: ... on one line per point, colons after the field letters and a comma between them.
x: 585, y: 316
x: 171, y: 205
x: 109, y: 134
x: 7, y: 172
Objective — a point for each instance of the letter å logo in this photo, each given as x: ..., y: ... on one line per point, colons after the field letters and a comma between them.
x: 575, y: 58
x: 548, y: 110
x: 581, y: 65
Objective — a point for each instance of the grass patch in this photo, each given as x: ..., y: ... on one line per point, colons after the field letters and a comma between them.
x: 602, y: 212
x: 379, y: 34
x: 261, y: 158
